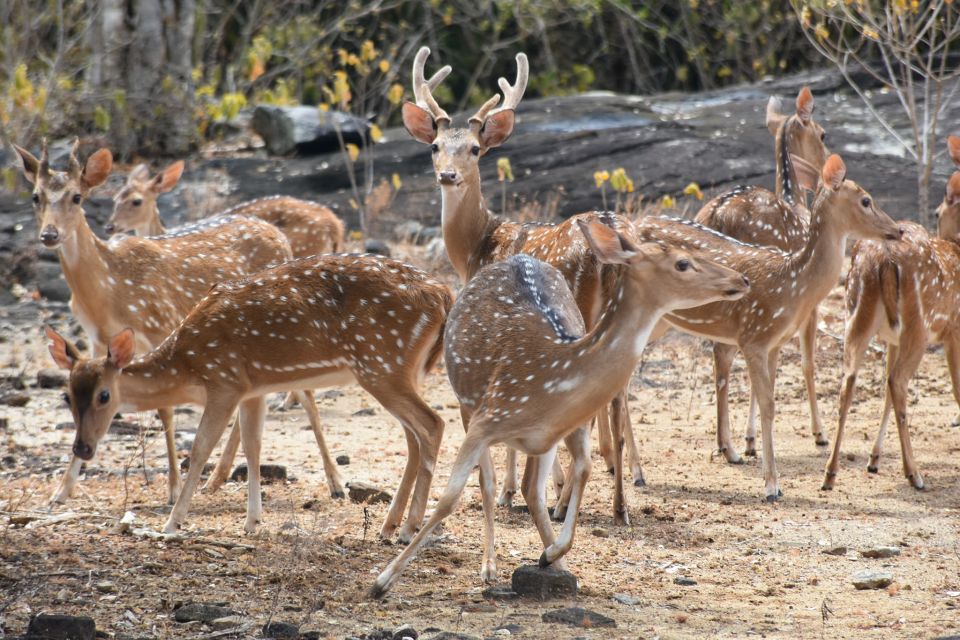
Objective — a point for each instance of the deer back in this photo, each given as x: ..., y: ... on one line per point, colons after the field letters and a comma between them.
x: 310, y: 227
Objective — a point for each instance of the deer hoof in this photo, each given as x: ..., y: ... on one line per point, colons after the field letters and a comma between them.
x: 543, y: 562
x: 639, y: 482
x: 872, y: 468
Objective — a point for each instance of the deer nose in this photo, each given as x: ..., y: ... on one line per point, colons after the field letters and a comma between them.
x: 49, y: 236
x: 746, y: 281
x: 447, y: 177
x: 109, y: 227
x: 82, y: 450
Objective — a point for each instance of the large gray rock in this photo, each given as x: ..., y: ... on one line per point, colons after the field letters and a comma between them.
x: 868, y: 579
x: 60, y: 627
x: 306, y: 130
x: 532, y: 581
x: 578, y: 617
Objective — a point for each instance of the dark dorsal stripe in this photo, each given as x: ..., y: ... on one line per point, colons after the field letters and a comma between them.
x: 533, y: 285
x: 786, y: 166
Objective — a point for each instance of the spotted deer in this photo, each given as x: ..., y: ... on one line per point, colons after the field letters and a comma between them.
x: 475, y: 237
x: 148, y: 284
x: 308, y: 323
x: 779, y: 219
x: 908, y: 294
x: 528, y: 375
x: 310, y: 227
x: 784, y: 286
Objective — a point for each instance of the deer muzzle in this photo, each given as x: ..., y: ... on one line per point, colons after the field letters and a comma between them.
x: 50, y: 236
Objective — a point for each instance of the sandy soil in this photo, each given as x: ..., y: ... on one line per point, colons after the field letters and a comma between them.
x: 759, y: 569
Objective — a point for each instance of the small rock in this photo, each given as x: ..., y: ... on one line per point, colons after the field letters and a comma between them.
x: 377, y: 246
x: 510, y: 628
x: 684, y: 581
x: 836, y: 551
x: 450, y: 635
x: 880, y: 552
x: 543, y: 583
x: 201, y: 612
x: 227, y: 622
x: 500, y: 592
x: 55, y: 290
x: 343, y: 459
x: 59, y: 627
x: 49, y: 378
x: 331, y: 394
x: 627, y: 599
x: 21, y: 520
x: 600, y: 532
x: 405, y: 631
x: 281, y: 630
x: 306, y: 129
x: 366, y: 411
x: 361, y: 492
x: 868, y: 579
x: 578, y: 617
x: 408, y: 231
x: 105, y: 586
x: 14, y: 398
x: 268, y: 473
x: 207, y: 468
x: 125, y: 428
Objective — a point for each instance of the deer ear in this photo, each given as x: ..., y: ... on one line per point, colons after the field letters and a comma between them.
x: 807, y: 174
x: 609, y: 246
x: 953, y: 189
x: 121, y: 349
x: 834, y: 172
x: 953, y: 144
x: 775, y: 115
x: 97, y: 169
x: 168, y: 178
x: 805, y: 105
x: 64, y: 353
x: 497, y: 128
x: 29, y: 163
x: 419, y: 123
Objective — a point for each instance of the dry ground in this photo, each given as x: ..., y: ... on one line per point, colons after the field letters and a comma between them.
x: 759, y: 568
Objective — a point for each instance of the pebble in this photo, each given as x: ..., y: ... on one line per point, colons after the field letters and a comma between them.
x: 405, y: 632
x: 343, y: 459
x: 281, y: 630
x: 627, y: 599
x: 202, y: 612
x: 836, y: 551
x: 51, y: 626
x: 578, y: 617
x: 600, y: 532
x: 868, y: 579
x: 105, y: 586
x: 49, y: 378
x: 14, y: 398
x: 366, y: 411
x: 227, y: 622
x: 880, y: 552
x: 268, y: 473
x: 361, y: 492
x: 543, y: 583
x: 500, y: 592
x: 684, y: 581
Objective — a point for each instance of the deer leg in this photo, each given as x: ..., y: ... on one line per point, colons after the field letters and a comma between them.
x: 578, y: 444
x: 509, y: 479
x: 751, y: 437
x: 173, y: 475
x: 901, y: 370
x: 808, y: 362
x: 534, y: 477
x: 470, y: 453
x: 214, y: 421
x: 560, y: 508
x: 892, y: 355
x: 620, y: 515
x: 252, y: 413
x: 762, y: 382
x: 604, y: 437
x: 488, y: 487
x: 221, y: 472
x: 633, y: 451
x: 559, y: 476
x: 722, y: 362
x: 400, y: 498
x: 854, y: 348
x: 329, y: 466
x: 68, y: 482
x: 951, y: 347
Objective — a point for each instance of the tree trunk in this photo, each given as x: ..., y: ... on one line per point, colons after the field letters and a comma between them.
x: 140, y: 74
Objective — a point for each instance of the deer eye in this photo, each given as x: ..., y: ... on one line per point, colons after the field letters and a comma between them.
x: 103, y: 397
x: 434, y: 147
x: 683, y: 265
x: 137, y: 202
x: 865, y: 202
x: 77, y: 198
x: 66, y: 399
x: 475, y: 150
x: 823, y: 136
x: 36, y: 198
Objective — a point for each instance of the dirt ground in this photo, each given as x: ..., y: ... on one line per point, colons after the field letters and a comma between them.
x: 759, y: 569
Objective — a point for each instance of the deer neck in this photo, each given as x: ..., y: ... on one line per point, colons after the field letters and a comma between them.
x: 466, y: 223
x: 818, y: 264
x: 787, y: 188
x: 154, y: 227
x: 153, y: 381
x: 84, y: 260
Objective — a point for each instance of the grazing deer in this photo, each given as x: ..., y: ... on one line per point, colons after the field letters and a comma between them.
x: 474, y: 237
x: 311, y: 228
x: 784, y: 287
x: 148, y: 284
x: 527, y: 375
x: 908, y: 293
x: 781, y: 220
x: 308, y: 323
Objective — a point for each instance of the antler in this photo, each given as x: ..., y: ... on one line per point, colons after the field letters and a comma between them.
x: 44, y: 159
x: 511, y: 94
x: 75, y: 168
x: 422, y: 89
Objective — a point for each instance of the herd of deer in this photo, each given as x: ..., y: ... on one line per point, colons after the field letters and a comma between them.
x: 543, y: 338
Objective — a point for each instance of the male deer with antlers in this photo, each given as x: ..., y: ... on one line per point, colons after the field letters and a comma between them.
x: 147, y: 284
x: 310, y: 227
x: 308, y: 323
x: 779, y: 219
x: 527, y: 375
x: 785, y: 287
x: 908, y: 293
x: 474, y: 237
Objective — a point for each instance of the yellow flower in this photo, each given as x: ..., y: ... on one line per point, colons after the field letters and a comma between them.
x: 324, y: 107
x: 367, y: 51
x: 600, y: 177
x: 375, y: 133
x: 871, y: 33
x: 504, y: 170
x: 822, y: 32
x: 353, y: 151
x: 620, y: 181
x: 341, y: 88
x: 395, y: 94
x: 693, y: 189
x: 667, y: 202
x: 395, y: 179
x: 384, y: 66
x: 355, y: 234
